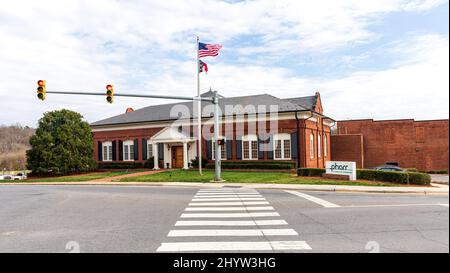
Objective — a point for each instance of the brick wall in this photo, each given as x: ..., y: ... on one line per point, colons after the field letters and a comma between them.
x: 348, y: 148
x: 412, y: 144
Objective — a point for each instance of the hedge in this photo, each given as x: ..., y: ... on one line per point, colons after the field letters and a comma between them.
x: 415, y: 178
x: 310, y: 172
x: 385, y: 176
x: 438, y: 172
x: 271, y: 165
x: 120, y: 165
x: 419, y: 178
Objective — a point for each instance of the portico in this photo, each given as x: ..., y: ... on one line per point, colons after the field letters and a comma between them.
x: 178, y: 148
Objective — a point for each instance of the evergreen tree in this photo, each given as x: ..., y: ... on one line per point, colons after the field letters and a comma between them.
x: 62, y: 144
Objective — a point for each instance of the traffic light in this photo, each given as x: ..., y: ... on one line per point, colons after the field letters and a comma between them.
x: 221, y: 141
x: 41, y: 90
x: 110, y: 93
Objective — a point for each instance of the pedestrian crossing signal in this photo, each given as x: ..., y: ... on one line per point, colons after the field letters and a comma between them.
x: 110, y: 93
x: 41, y: 89
x: 221, y: 141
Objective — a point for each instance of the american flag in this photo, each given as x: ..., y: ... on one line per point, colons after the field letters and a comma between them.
x: 205, y: 50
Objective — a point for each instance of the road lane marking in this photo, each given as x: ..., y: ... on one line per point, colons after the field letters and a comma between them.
x: 230, y: 215
x: 229, y: 199
x: 316, y: 200
x: 233, y: 223
x: 228, y: 208
x: 393, y: 205
x: 233, y: 246
x: 229, y: 203
x: 232, y: 232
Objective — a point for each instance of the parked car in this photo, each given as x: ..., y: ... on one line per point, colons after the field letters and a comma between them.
x: 391, y: 168
x: 20, y: 176
x: 6, y: 177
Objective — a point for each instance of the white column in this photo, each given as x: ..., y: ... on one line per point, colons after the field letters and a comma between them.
x: 155, y: 156
x: 185, y: 156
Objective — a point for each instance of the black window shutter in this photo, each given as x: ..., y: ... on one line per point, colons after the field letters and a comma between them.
x: 270, y: 149
x: 229, y: 149
x: 144, y: 149
x: 114, y: 156
x: 160, y: 151
x: 120, y: 150
x: 260, y: 149
x: 209, y: 149
x: 100, y: 151
x: 294, y: 145
x: 136, y: 149
x: 239, y: 149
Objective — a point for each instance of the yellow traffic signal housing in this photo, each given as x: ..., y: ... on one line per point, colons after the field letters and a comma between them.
x: 110, y: 93
x: 41, y: 89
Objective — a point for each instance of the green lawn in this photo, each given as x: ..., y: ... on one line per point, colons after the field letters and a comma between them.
x: 79, y: 178
x: 245, y: 177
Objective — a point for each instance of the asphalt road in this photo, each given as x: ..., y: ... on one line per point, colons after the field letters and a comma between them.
x: 172, y: 219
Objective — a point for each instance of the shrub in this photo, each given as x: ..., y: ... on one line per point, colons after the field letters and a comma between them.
x: 258, y: 165
x: 385, y: 176
x: 194, y: 162
x: 419, y: 178
x: 395, y: 177
x: 120, y: 165
x: 310, y: 172
x: 412, y: 170
x: 438, y: 172
x: 149, y: 163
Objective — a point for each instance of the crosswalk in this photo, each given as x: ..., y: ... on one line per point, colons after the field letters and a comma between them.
x: 230, y: 219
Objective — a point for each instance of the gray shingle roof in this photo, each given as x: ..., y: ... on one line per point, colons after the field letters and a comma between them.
x: 307, y: 102
x: 162, y: 112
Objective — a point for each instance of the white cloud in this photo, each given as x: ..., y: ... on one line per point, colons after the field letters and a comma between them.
x: 86, y: 44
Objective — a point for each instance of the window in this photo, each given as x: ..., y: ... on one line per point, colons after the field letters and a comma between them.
x: 107, y: 151
x: 311, y: 146
x: 282, y: 146
x: 325, y: 146
x: 319, y: 146
x: 128, y: 150
x: 223, y: 150
x: 149, y: 149
x: 250, y: 147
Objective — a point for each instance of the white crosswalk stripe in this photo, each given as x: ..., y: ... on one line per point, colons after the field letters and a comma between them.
x: 229, y: 215
x: 229, y: 208
x: 229, y: 203
x: 216, y: 212
x: 229, y: 199
x: 233, y: 223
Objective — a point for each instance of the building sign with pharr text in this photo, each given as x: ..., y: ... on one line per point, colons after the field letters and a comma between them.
x: 341, y: 168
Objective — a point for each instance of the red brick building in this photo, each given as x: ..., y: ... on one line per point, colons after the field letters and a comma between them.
x: 408, y: 143
x: 296, y: 131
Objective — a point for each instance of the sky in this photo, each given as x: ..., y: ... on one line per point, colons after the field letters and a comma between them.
x: 384, y: 59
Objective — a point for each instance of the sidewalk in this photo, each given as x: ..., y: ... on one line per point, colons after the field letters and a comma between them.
x: 112, y: 178
x: 436, y: 189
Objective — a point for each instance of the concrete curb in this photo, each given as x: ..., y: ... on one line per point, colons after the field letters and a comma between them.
x: 327, y: 188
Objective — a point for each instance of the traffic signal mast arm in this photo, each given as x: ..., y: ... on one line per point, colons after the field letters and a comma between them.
x: 134, y: 96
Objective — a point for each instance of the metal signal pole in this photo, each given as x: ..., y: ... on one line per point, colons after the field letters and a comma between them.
x: 199, y: 114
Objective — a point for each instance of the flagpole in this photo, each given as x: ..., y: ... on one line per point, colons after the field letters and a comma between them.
x: 199, y: 113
